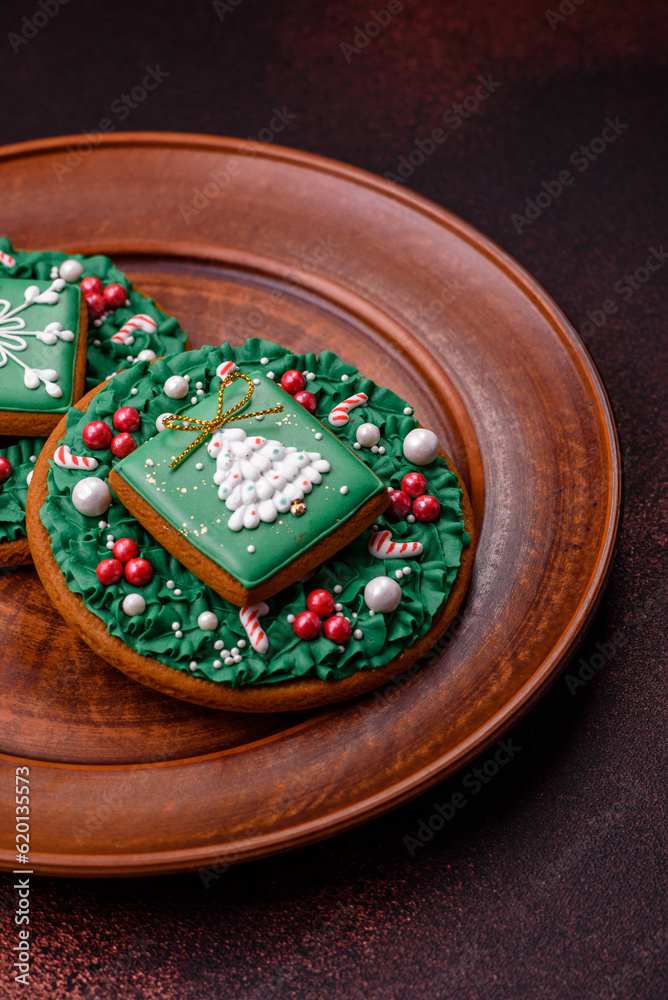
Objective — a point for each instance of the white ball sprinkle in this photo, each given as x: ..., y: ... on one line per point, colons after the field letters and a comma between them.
x: 179, y: 634
x: 358, y: 634
x: 218, y: 644
x: 33, y: 458
x: 354, y: 614
x: 271, y: 375
x: 199, y: 466
x: 241, y: 643
x: 102, y: 524
x: 170, y: 585
x: 229, y: 660
x: 291, y: 618
x: 260, y: 416
x: 177, y: 592
x: 408, y: 410
x: 311, y: 376
x: 374, y: 449
x: 406, y: 571
x: 234, y: 651
x: 338, y: 607
x: 398, y: 574
x: 357, y: 446
x: 217, y: 663
x: 200, y: 392
x: 411, y: 518
x: 344, y: 378
x: 150, y: 463
x: 338, y: 588
x: 207, y: 621
x: 96, y: 343
x: 134, y: 391
x: 176, y: 387
x: 224, y: 653
x: 199, y: 385
x: 251, y: 549
x: 264, y: 361
x: 318, y: 436
x: 176, y: 626
x: 256, y: 381
x: 343, y: 490
x: 134, y: 604
x: 110, y: 545
x: 193, y: 664
x: 97, y: 322
x: 194, y: 400
x: 381, y: 450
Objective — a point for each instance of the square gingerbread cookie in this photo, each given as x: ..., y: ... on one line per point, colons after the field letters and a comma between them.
x: 256, y: 501
x: 43, y: 327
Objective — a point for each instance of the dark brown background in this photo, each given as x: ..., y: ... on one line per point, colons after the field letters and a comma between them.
x: 551, y: 882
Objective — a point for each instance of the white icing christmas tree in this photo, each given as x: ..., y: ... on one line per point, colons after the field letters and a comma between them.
x: 13, y: 334
x: 258, y: 479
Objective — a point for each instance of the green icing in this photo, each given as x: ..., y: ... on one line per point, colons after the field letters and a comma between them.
x: 79, y: 543
x: 104, y: 357
x: 22, y: 352
x: 15, y: 490
x: 188, y: 498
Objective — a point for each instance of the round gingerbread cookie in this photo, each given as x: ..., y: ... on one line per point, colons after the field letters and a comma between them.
x: 125, y: 326
x: 363, y: 616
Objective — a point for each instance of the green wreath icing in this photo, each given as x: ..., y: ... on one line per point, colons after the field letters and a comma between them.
x: 15, y: 490
x: 79, y: 544
x: 103, y: 358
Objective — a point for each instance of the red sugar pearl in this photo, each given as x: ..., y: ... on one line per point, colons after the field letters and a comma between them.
x: 91, y: 286
x: 307, y: 400
x: 96, y: 305
x: 138, y: 572
x: 122, y: 445
x: 293, y: 381
x: 321, y: 602
x: 97, y: 435
x: 5, y: 469
x: 337, y: 629
x: 307, y: 625
x: 414, y: 484
x: 426, y: 509
x: 109, y: 571
x: 127, y: 419
x: 125, y: 549
x: 400, y: 503
x: 115, y: 296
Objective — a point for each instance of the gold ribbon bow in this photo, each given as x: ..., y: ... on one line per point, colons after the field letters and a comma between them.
x: 206, y: 427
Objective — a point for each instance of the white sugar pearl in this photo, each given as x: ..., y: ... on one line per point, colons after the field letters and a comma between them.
x: 251, y: 549
x: 193, y: 664
x: 375, y: 449
x: 241, y: 643
x: 187, y: 378
x: 91, y: 496
x: 199, y: 466
x: 411, y: 518
x: 96, y: 343
x: 229, y: 660
x: 291, y: 618
x: 102, y: 524
x: 382, y: 594
x: 159, y: 422
x: 398, y: 573
x: 237, y: 659
x: 33, y: 458
x: 110, y: 545
x: 147, y: 355
x: 338, y: 607
x: 368, y: 435
x: 357, y: 446
x: 406, y: 571
x: 310, y: 376
x: 318, y: 436
x: 354, y: 614
x: 264, y: 361
x: 150, y: 463
x: 358, y: 634
x: 176, y: 387
x: 199, y: 385
x: 129, y: 358
x: 421, y: 446
x: 408, y: 410
x: 177, y: 592
x: 344, y: 378
x: 271, y: 375
x: 110, y: 538
x: 70, y: 270
x: 134, y: 604
x: 97, y: 322
x: 224, y: 653
x: 207, y: 621
x: 338, y: 588
x: 343, y: 490
x: 176, y: 626
x: 194, y: 400
x: 381, y: 450
x: 179, y: 634
x: 53, y: 273
x: 217, y: 663
x: 234, y: 651
x: 134, y: 391
x: 170, y: 585
x: 260, y: 416
x: 218, y: 644
x: 256, y: 381
x: 200, y: 392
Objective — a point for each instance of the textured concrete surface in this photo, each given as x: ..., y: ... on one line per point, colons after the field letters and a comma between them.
x: 551, y: 883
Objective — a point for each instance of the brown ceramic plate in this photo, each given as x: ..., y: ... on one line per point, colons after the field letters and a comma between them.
x: 238, y: 241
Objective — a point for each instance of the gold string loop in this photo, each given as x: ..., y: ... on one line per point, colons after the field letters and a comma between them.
x: 206, y: 427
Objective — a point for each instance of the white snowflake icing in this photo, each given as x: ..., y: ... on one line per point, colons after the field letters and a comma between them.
x: 258, y: 478
x: 13, y: 334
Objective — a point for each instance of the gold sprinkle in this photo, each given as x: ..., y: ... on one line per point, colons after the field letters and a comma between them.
x: 298, y: 507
